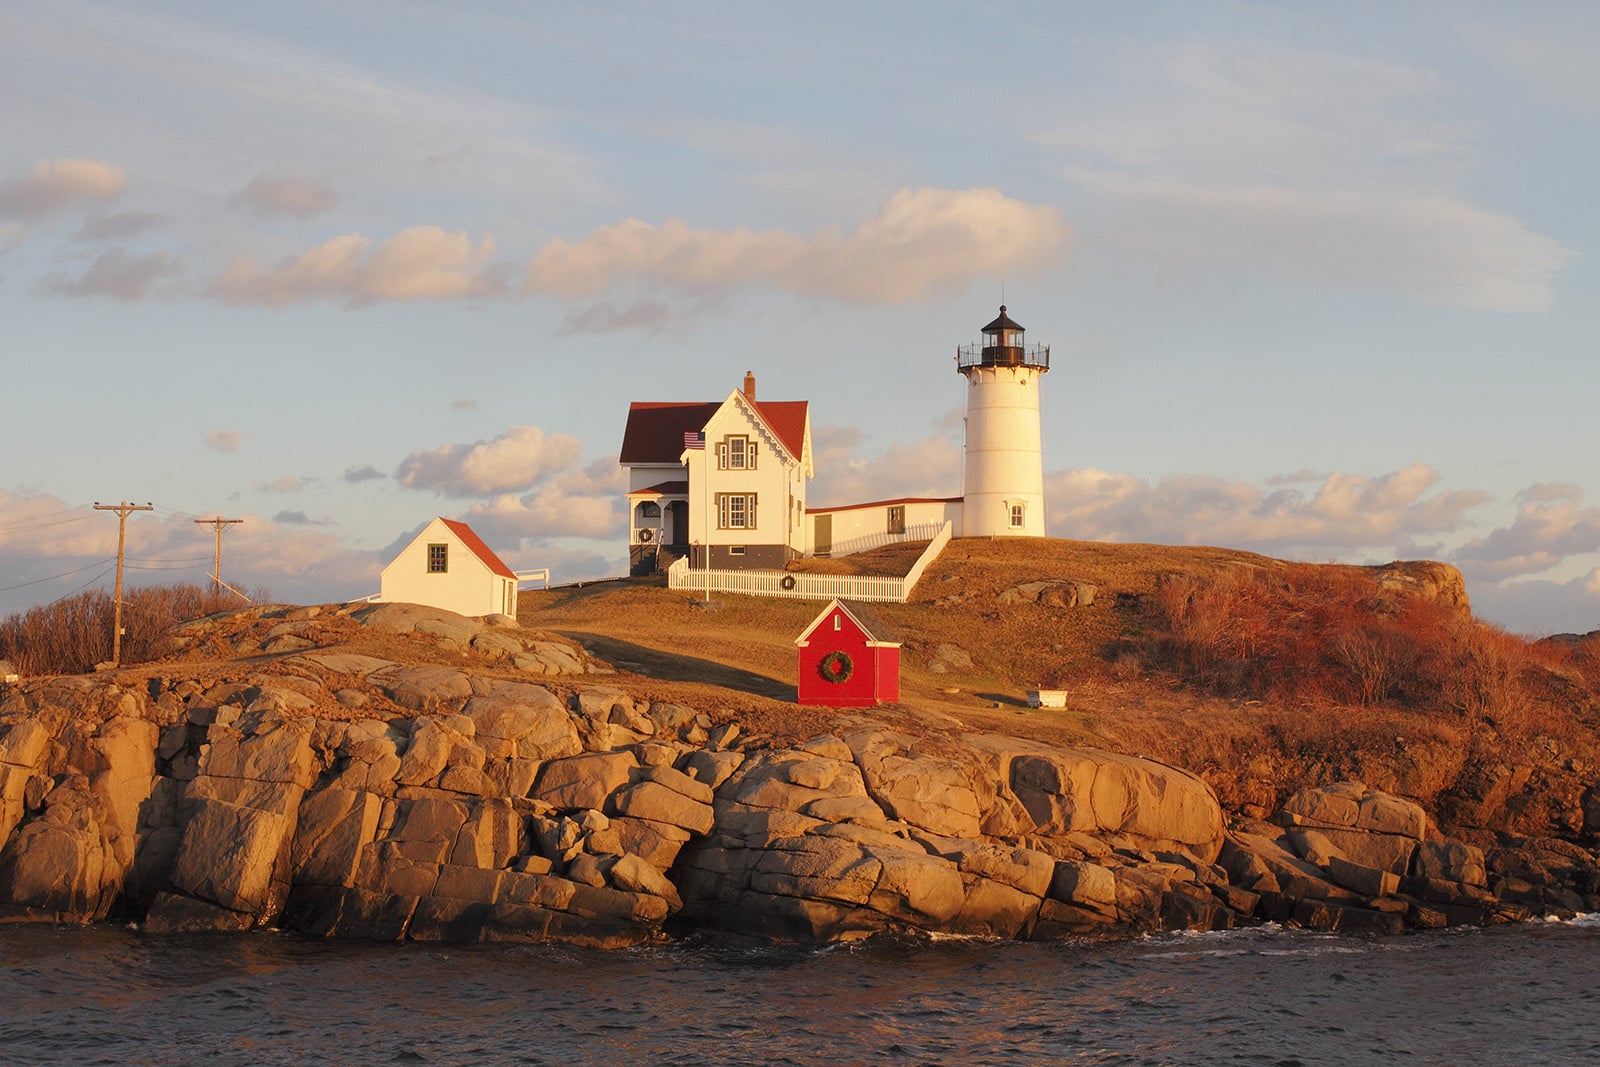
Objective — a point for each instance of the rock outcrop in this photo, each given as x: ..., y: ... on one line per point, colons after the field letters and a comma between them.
x: 346, y: 795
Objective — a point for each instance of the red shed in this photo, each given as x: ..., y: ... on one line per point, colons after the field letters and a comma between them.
x: 843, y: 664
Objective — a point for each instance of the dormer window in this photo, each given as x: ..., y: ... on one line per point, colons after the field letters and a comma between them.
x: 736, y: 453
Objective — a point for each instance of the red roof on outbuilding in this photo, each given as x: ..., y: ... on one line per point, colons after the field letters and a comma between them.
x: 654, y: 433
x: 479, y: 549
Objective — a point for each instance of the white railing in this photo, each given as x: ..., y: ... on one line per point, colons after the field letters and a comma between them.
x: 921, y: 531
x: 540, y: 575
x: 808, y: 586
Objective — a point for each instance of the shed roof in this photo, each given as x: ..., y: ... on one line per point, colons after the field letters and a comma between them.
x: 872, y: 626
x: 478, y: 548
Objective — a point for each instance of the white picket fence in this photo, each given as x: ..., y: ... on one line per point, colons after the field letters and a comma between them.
x: 808, y: 586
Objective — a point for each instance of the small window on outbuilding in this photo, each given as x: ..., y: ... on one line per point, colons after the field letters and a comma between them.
x: 438, y: 559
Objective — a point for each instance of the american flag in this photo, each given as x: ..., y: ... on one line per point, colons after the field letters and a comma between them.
x: 694, y: 439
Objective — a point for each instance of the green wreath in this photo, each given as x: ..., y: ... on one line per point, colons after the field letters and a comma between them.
x: 836, y: 667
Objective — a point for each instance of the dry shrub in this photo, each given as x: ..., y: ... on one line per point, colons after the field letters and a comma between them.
x: 1324, y: 636
x: 71, y: 635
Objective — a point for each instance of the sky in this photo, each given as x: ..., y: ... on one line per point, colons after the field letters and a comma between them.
x: 1317, y: 279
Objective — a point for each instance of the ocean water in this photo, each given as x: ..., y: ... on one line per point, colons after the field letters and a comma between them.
x: 1509, y: 995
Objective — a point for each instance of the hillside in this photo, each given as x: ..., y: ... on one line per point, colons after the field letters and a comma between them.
x: 1301, y: 675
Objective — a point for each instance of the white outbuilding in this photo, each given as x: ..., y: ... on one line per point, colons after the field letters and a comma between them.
x: 448, y: 566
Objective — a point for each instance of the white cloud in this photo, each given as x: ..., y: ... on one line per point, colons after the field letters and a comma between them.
x: 581, y: 503
x: 73, y: 548
x: 420, y: 263
x: 1344, y: 513
x: 922, y: 242
x: 1550, y: 526
x: 56, y: 184
x: 302, y: 198
x: 223, y: 440
x: 517, y: 459
x: 930, y: 467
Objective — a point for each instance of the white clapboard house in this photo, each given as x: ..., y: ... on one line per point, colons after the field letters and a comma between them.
x: 448, y: 566
x: 723, y: 483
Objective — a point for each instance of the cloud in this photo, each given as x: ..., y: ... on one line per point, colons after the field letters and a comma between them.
x: 1550, y: 526
x: 298, y: 518
x: 517, y: 459
x: 121, y: 225
x: 72, y: 548
x: 583, y: 503
x: 922, y: 242
x: 56, y: 184
x: 930, y: 467
x: 1434, y: 248
x: 11, y: 235
x: 463, y: 404
x: 1346, y: 511
x: 302, y: 198
x: 357, y: 475
x: 1295, y: 165
x: 649, y: 316
x: 420, y: 263
x: 223, y: 440
x: 1541, y: 607
x: 286, y: 484
x: 117, y: 274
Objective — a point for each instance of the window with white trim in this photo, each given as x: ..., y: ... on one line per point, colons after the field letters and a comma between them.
x: 736, y: 511
x: 736, y: 453
x: 1017, y: 516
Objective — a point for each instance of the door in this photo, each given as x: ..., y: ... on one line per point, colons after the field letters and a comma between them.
x: 822, y: 535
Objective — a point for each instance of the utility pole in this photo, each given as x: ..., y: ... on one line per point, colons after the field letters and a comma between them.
x: 216, y: 572
x: 123, y: 510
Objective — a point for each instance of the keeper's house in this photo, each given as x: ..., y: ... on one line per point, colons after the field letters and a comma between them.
x: 844, y: 662
x: 723, y: 483
x: 448, y: 566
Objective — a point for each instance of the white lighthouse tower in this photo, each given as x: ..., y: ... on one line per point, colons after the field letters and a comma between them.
x: 1004, y: 487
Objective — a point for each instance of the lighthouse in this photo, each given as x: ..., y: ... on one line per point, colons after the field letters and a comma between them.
x: 1004, y: 476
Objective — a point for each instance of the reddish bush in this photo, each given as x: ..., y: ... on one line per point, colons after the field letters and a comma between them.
x: 71, y: 635
x: 1332, y: 635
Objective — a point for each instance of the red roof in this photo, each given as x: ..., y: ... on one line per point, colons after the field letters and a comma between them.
x: 479, y: 549
x: 654, y: 433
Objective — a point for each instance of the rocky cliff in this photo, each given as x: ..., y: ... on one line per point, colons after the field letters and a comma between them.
x: 393, y: 772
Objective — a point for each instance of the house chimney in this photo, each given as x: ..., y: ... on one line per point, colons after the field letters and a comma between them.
x: 750, y: 386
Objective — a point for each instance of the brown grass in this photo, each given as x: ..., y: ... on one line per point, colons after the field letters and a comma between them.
x: 1262, y: 676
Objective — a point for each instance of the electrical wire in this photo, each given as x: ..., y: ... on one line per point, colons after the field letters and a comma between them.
x: 53, y: 577
x: 25, y: 526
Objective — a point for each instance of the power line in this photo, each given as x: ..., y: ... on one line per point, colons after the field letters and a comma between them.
x: 53, y: 577
x: 219, y: 522
x: 24, y: 526
x: 123, y: 510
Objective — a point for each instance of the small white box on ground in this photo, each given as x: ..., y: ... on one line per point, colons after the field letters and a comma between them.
x: 1047, y: 698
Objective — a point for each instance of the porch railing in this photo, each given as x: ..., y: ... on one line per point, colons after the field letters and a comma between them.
x: 874, y: 587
